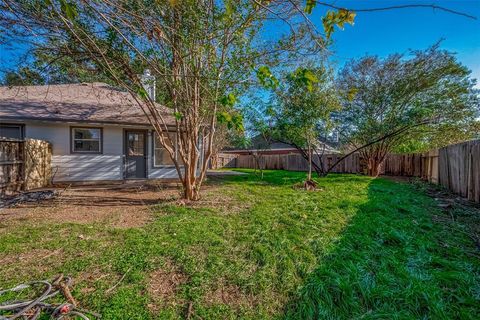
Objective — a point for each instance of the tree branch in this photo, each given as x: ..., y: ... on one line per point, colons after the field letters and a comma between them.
x: 403, y: 6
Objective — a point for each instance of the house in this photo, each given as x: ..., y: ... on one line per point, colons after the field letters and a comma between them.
x: 97, y: 132
x: 261, y: 145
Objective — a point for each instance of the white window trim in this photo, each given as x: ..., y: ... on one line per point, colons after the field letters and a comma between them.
x: 154, y: 133
x: 72, y: 140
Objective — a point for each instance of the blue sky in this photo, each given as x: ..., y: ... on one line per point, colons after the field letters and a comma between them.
x: 385, y: 32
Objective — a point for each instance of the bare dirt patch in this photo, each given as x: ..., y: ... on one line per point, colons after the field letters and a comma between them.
x: 123, y: 206
x: 164, y: 283
x: 230, y: 295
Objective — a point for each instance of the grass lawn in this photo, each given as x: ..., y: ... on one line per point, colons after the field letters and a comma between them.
x: 361, y: 248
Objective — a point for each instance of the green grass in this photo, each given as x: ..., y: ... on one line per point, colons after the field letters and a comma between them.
x: 361, y: 248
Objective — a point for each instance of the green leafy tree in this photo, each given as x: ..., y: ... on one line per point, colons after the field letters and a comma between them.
x: 259, y: 120
x: 201, y: 52
x: 25, y: 76
x: 437, y: 136
x: 411, y: 103
x: 305, y: 102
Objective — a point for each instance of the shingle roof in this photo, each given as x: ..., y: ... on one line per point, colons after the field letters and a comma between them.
x: 259, y: 142
x: 82, y: 102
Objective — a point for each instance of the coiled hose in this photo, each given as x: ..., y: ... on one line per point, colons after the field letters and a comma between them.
x: 33, y: 308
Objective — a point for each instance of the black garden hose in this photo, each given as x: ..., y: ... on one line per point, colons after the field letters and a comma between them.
x: 32, y: 308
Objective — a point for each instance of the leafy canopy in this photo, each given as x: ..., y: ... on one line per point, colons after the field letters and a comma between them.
x: 422, y: 96
x: 305, y: 102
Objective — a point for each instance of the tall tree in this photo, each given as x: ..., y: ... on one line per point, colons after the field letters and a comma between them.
x: 305, y: 102
x: 387, y: 102
x: 200, y: 51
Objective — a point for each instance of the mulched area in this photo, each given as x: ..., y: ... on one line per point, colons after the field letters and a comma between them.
x: 120, y: 205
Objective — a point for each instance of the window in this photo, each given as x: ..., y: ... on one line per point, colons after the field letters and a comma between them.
x: 160, y: 154
x: 86, y: 140
x: 136, y: 143
x: 11, y: 131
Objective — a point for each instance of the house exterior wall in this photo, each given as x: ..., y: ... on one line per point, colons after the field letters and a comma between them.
x: 73, y: 167
x: 166, y: 172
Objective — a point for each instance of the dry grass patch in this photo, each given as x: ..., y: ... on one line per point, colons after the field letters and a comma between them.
x: 30, y: 257
x: 230, y: 295
x: 95, y: 278
x: 222, y: 199
x: 163, y: 286
x: 34, y: 262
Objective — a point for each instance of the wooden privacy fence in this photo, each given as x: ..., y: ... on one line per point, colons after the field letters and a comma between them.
x: 295, y: 162
x: 291, y: 162
x: 456, y: 167
x: 422, y: 165
x: 24, y: 165
x: 459, y: 169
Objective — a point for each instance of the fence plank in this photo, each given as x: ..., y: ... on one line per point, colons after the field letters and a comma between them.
x: 459, y: 169
x: 24, y: 165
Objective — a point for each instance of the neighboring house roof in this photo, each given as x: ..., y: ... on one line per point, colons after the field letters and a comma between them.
x: 83, y: 102
x: 259, y: 144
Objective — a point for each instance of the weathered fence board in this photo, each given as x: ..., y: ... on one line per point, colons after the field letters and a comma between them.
x: 223, y: 160
x: 24, y: 165
x: 38, y: 163
x: 430, y: 165
x: 459, y: 169
x: 11, y: 165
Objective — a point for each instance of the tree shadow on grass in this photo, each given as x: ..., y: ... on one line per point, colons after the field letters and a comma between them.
x: 394, y: 261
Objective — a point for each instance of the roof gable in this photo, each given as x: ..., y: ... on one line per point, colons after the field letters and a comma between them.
x: 82, y: 102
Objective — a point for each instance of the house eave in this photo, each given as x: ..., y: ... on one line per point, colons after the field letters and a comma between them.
x: 77, y: 121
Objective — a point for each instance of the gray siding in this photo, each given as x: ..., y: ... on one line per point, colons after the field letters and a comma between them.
x: 95, y: 167
x: 79, y: 167
x: 163, y: 173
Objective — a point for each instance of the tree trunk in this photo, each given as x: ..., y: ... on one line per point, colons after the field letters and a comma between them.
x: 309, y: 184
x: 191, y: 190
x: 309, y: 177
x: 374, y: 165
x: 191, y: 193
x: 257, y: 158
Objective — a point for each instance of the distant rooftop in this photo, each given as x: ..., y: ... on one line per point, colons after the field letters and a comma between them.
x: 83, y: 102
x: 259, y: 143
